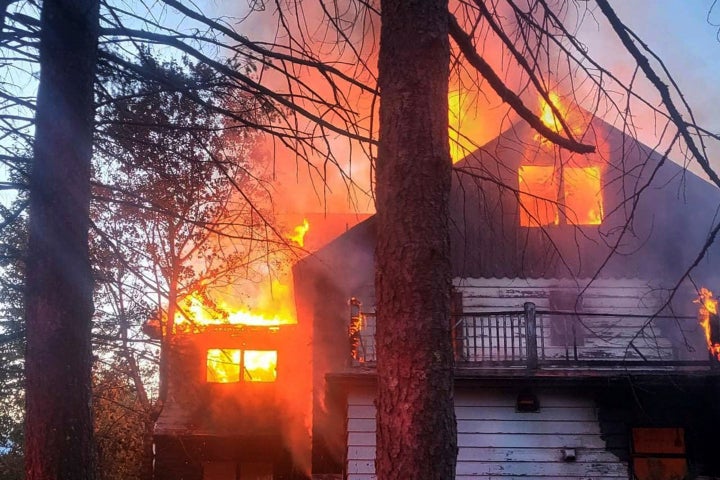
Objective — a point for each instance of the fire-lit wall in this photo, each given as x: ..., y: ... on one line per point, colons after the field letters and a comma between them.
x: 233, y: 398
x: 522, y: 209
x: 626, y: 214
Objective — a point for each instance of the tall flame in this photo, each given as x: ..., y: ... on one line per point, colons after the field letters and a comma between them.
x: 572, y: 117
x: 272, y: 308
x: 272, y: 300
x: 708, y: 310
x: 460, y: 145
x: 298, y: 235
x: 546, y: 113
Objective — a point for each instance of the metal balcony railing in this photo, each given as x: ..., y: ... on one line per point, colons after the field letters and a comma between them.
x: 534, y: 339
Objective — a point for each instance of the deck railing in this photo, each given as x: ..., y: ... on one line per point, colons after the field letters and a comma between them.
x: 532, y: 338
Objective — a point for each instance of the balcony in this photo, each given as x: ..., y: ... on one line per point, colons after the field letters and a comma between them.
x: 531, y: 339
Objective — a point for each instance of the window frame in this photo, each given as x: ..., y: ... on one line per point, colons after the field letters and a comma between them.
x: 243, y: 373
x: 559, y: 204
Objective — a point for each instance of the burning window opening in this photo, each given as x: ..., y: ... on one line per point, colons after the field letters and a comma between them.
x: 538, y: 196
x: 709, y: 321
x: 224, y: 365
x: 197, y: 311
x: 260, y: 366
x: 565, y: 195
x: 361, y: 333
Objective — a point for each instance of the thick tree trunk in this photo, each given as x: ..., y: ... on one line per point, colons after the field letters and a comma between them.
x: 59, y: 279
x: 416, y: 421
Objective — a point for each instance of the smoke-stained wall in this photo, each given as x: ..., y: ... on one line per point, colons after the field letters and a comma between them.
x: 656, y: 215
x: 324, y: 283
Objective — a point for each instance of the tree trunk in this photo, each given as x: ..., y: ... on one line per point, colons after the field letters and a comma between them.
x: 416, y: 420
x: 59, y: 283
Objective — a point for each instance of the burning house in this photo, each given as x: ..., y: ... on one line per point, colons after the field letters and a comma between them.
x: 579, y: 349
x: 238, y: 381
x: 582, y: 349
x: 231, y: 377
x: 227, y: 416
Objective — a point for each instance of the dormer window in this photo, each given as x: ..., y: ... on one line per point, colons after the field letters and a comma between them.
x: 560, y: 195
x: 225, y: 364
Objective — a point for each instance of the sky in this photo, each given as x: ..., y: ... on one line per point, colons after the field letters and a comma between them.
x: 684, y: 33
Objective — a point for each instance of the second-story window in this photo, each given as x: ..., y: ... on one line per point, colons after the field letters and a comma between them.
x: 224, y: 365
x: 560, y: 195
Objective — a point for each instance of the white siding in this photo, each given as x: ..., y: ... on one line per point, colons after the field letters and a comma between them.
x: 496, y: 441
x: 605, y: 337
x: 621, y: 295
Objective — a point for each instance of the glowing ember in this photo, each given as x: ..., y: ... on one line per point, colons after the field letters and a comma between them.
x: 708, y: 314
x: 298, y: 235
x: 223, y: 365
x: 260, y: 366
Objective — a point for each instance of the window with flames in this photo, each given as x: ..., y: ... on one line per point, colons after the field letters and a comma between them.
x: 231, y: 365
x: 561, y: 195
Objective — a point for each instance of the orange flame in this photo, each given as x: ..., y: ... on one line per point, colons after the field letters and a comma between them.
x: 273, y: 307
x: 298, y: 235
x: 708, y: 309
x: 573, y: 118
x: 546, y: 114
x: 460, y: 144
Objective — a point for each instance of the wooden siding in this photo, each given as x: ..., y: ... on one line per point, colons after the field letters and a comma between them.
x: 496, y: 441
x: 628, y: 328
x: 621, y: 295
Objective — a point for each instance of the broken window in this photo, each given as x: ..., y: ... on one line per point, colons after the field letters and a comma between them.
x: 564, y: 195
x: 659, y: 454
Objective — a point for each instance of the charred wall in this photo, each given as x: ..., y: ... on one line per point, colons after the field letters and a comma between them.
x: 185, y: 457
x: 221, y: 408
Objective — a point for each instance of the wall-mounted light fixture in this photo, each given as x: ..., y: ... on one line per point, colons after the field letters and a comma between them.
x: 568, y: 454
